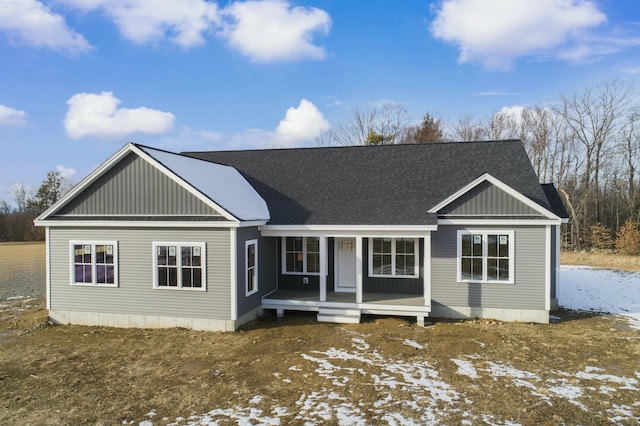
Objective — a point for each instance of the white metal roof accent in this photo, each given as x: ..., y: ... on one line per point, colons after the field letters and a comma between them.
x: 223, y: 185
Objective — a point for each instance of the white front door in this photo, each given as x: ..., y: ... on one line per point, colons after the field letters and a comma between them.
x: 345, y: 269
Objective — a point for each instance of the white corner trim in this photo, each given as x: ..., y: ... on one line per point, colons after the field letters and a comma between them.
x: 547, y: 268
x: 47, y: 239
x: 233, y: 271
x: 427, y: 269
x: 501, y: 185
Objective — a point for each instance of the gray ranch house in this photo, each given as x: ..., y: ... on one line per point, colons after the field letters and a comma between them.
x: 209, y: 240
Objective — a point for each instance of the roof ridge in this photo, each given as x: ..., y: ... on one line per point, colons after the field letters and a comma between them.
x: 340, y: 147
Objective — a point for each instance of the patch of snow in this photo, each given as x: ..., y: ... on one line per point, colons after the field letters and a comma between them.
x: 16, y: 297
x: 412, y: 343
x: 601, y: 290
x: 568, y: 391
x: 466, y: 368
x: 255, y: 400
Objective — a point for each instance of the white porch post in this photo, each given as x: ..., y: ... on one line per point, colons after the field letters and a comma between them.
x: 359, y: 269
x: 427, y: 269
x: 323, y: 269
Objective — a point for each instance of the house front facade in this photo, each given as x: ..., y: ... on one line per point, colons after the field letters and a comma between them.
x: 209, y: 240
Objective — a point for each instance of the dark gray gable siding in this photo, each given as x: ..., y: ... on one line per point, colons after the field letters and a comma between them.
x: 375, y: 185
x: 267, y: 248
x: 133, y: 187
x: 487, y: 199
x: 528, y: 292
x: 557, y: 206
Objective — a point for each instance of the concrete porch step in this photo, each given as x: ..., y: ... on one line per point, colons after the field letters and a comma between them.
x: 338, y: 315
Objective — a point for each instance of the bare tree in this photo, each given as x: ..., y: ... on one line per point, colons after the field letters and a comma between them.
x: 467, y: 128
x: 376, y: 123
x: 596, y: 115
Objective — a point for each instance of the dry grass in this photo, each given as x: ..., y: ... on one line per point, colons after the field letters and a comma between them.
x: 601, y: 260
x: 22, y: 269
x: 62, y: 375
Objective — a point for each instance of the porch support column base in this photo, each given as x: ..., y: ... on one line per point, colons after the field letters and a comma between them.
x: 420, y: 321
x: 279, y: 313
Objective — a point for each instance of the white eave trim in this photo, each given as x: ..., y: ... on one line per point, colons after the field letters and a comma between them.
x: 345, y: 230
x: 501, y: 185
x: 499, y: 222
x: 144, y: 224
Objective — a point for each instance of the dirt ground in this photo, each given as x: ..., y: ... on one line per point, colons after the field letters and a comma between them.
x: 288, y: 371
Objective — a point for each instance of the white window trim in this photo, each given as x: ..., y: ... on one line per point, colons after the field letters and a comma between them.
x: 94, y: 274
x: 416, y: 252
x: 246, y: 267
x: 304, y: 256
x: 203, y: 248
x: 484, y: 234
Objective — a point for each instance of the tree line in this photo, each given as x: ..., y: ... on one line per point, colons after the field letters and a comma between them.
x: 586, y: 142
x: 16, y: 223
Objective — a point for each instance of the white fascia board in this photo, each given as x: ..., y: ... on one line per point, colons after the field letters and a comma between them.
x: 499, y: 222
x: 177, y: 179
x: 346, y: 230
x: 138, y: 224
x: 88, y: 180
x: 501, y: 185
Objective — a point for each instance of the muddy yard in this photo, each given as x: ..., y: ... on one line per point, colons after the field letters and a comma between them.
x: 583, y: 369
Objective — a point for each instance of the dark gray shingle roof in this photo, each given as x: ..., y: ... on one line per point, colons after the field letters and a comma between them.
x: 375, y: 185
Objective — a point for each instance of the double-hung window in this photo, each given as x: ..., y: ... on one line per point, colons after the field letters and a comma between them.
x: 179, y: 265
x: 393, y: 257
x: 251, y: 274
x: 301, y: 255
x: 485, y: 256
x: 94, y: 263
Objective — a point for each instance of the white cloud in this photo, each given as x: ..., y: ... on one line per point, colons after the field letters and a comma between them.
x: 65, y: 172
x: 97, y: 115
x: 32, y: 23
x: 272, y: 30
x: 149, y: 21
x: 495, y: 32
x: 12, y: 117
x: 301, y: 124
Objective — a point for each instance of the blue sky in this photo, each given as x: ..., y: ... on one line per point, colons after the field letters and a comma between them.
x: 80, y: 78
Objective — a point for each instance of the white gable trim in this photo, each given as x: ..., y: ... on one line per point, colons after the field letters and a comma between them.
x: 500, y: 185
x: 113, y: 160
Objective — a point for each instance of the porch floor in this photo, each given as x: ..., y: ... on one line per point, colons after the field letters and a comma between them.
x: 344, y: 297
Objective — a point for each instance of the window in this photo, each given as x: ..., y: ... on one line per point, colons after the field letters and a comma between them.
x: 485, y: 256
x: 251, y: 275
x: 94, y: 263
x: 179, y: 265
x: 301, y: 255
x: 393, y: 257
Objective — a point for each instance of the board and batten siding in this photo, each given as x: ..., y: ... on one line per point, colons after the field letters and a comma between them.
x: 487, y: 199
x: 528, y: 290
x: 267, y: 259
x: 135, y: 293
x: 135, y: 187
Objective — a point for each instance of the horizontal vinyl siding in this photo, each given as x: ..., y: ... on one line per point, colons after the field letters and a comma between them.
x: 135, y: 187
x: 528, y: 292
x: 266, y: 268
x: 135, y: 293
x: 487, y: 199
